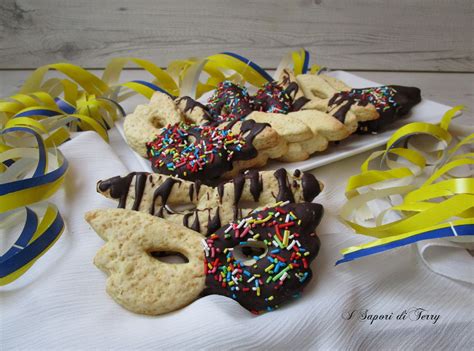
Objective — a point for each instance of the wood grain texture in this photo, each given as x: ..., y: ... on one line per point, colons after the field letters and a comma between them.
x: 426, y: 35
x: 447, y: 88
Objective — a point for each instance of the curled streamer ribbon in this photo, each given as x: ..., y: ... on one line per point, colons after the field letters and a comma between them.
x: 40, y: 117
x: 412, y: 194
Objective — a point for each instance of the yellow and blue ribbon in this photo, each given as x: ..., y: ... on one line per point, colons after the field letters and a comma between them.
x: 36, y: 238
x: 441, y: 206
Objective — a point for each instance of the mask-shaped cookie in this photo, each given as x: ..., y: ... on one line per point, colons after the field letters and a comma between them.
x: 261, y: 261
x: 163, y: 196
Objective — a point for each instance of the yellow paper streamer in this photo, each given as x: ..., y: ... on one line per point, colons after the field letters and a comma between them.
x: 428, y: 208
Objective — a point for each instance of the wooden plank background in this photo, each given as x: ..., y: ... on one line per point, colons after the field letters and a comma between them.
x: 447, y: 88
x: 391, y: 35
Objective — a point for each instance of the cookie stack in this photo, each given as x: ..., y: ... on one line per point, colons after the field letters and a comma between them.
x: 294, y: 118
x: 245, y: 234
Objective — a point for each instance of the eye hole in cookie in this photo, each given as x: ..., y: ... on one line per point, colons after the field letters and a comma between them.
x: 180, y: 208
x: 157, y: 122
x: 171, y: 257
x: 246, y: 252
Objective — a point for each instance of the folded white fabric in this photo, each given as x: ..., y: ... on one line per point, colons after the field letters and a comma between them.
x: 448, y: 258
x: 61, y: 302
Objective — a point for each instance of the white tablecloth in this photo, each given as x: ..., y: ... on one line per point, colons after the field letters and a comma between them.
x: 61, y: 302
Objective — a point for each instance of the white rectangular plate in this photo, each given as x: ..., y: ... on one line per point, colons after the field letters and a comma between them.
x: 425, y: 111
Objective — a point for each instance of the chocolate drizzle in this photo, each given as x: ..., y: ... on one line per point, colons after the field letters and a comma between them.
x: 191, y: 192
x: 191, y: 104
x: 186, y: 219
x: 140, y: 182
x: 196, y: 226
x: 284, y: 191
x: 197, y: 185
x: 213, y: 223
x: 256, y: 185
x: 162, y: 191
x: 119, y: 188
x: 220, y: 191
x: 239, y: 183
x: 292, y: 90
x: 310, y: 186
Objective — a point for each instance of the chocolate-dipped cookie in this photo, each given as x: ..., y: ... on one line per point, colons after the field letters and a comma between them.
x: 229, y: 102
x: 202, y: 152
x: 264, y: 260
x: 260, y: 261
x: 390, y: 102
x: 205, y: 208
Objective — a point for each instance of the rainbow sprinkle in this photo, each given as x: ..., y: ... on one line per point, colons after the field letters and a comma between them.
x: 381, y: 97
x: 272, y: 98
x: 229, y: 102
x: 233, y: 102
x: 286, y: 259
x: 187, y: 147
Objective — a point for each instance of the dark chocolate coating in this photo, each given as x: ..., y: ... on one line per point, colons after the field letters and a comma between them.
x: 292, y: 89
x: 272, y: 98
x: 396, y: 102
x: 229, y: 102
x: 272, y: 291
x: 405, y: 97
x: 222, y: 161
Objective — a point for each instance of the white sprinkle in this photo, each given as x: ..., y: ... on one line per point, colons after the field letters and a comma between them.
x: 205, y: 247
x: 277, y: 214
x: 241, y: 224
x: 251, y: 279
x: 298, y: 243
x: 289, y: 247
x: 235, y: 280
x: 235, y: 271
x: 275, y: 243
x: 228, y: 229
x: 283, y: 277
x: 285, y: 203
x: 287, y: 219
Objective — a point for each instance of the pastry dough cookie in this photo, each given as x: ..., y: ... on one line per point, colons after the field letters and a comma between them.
x: 138, y: 281
x: 207, y: 152
x: 362, y: 110
x: 170, y: 197
x: 261, y: 261
x: 148, y: 120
